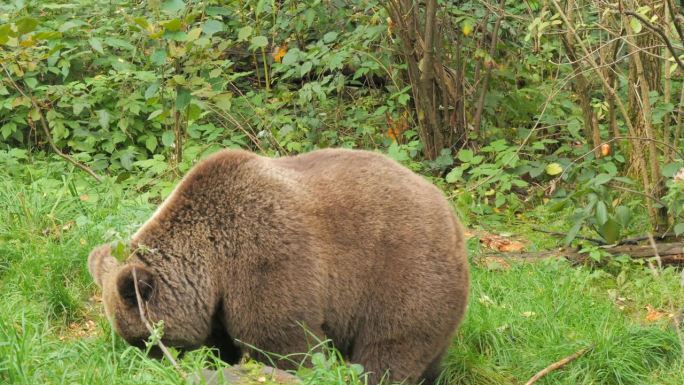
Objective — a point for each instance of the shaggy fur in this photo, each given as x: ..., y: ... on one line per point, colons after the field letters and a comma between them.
x: 348, y: 243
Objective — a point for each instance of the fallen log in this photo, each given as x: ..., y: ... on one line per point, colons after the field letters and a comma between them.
x: 243, y: 375
x: 647, y: 251
x: 670, y: 253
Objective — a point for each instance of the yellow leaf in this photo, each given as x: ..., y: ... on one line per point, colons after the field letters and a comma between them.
x: 194, y: 34
x: 553, y: 169
x: 467, y: 26
x: 653, y: 314
x: 279, y: 53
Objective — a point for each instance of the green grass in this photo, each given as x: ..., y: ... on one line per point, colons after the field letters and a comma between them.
x: 521, y: 318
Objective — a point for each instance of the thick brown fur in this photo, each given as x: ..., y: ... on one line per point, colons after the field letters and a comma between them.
x: 349, y: 244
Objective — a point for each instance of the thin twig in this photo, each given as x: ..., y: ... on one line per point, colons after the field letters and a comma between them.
x: 46, y: 130
x: 660, y: 33
x: 678, y: 319
x: 675, y: 16
x: 594, y: 240
x: 643, y: 238
x: 534, y: 129
x: 143, y: 318
x: 643, y: 194
x: 656, y: 272
x: 479, y: 109
x: 557, y: 365
x: 671, y: 147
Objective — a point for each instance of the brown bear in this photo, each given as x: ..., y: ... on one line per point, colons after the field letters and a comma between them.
x: 249, y: 251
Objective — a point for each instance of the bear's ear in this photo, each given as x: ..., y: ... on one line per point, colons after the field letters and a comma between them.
x: 101, y: 262
x: 125, y: 284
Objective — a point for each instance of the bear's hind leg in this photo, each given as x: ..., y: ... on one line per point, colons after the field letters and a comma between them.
x: 434, y: 369
x: 397, y: 360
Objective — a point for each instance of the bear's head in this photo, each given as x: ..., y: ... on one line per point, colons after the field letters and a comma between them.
x: 186, y: 308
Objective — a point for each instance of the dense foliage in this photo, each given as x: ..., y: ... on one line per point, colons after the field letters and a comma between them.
x: 148, y: 88
x: 565, y: 115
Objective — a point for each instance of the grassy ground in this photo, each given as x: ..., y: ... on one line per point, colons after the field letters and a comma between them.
x: 522, y: 317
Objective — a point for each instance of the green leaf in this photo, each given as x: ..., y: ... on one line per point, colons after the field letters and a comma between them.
x: 679, y: 229
x: 96, y: 44
x: 103, y: 118
x: 168, y: 138
x: 635, y: 25
x: 194, y: 34
x: 154, y: 114
x: 183, y: 98
x: 172, y: 25
x: 467, y: 26
x: 151, y: 143
x: 670, y: 169
x: 118, y: 251
x: 337, y: 60
x: 610, y: 231
x: 141, y: 22
x: 172, y: 6
x: 329, y: 37
x: 158, y: 57
x: 553, y: 169
x: 290, y: 57
x: 5, y: 33
x: 8, y: 129
x: 454, y: 175
x: 211, y: 27
x: 396, y: 153
x: 572, y: 234
x: 31, y: 82
x: 26, y: 25
x: 127, y: 159
x: 623, y: 215
x: 119, y: 43
x: 244, y: 33
x: 47, y: 35
x: 151, y: 90
x: 223, y: 101
x: 219, y: 11
x: 465, y: 155
x: 601, y: 179
x: 259, y: 42
x: 306, y: 67
x: 601, y: 213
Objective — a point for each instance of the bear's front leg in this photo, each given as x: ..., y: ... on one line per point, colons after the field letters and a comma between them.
x: 287, y: 347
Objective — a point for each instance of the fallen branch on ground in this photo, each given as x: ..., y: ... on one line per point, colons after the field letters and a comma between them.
x: 670, y: 253
x: 144, y: 320
x: 558, y: 364
x: 594, y: 240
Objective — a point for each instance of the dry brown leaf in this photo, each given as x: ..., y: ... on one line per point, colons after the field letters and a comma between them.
x: 654, y: 314
x: 279, y: 52
x: 76, y: 330
x: 679, y: 176
x: 499, y: 243
x: 496, y: 263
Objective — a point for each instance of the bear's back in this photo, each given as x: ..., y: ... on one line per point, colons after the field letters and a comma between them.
x: 386, y: 234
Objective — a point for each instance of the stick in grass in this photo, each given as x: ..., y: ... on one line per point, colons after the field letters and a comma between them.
x: 141, y: 309
x: 557, y: 365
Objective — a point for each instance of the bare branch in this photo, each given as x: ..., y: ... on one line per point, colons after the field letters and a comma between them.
x: 558, y: 364
x: 144, y: 320
x: 659, y: 31
x: 46, y: 129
